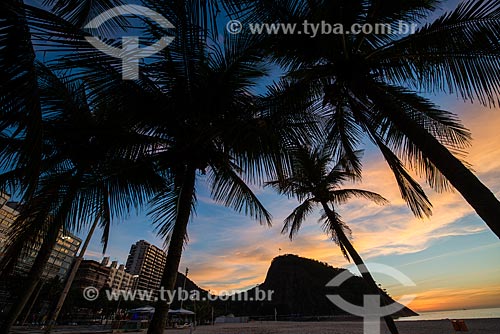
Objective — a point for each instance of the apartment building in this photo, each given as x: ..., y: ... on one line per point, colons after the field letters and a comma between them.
x: 62, y: 255
x: 147, y: 262
x: 91, y: 274
x: 118, y: 278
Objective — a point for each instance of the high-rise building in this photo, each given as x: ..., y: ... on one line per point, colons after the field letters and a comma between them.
x: 147, y: 261
x: 61, y: 257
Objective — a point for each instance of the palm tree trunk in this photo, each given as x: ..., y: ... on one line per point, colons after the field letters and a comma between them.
x: 34, y: 277
x: 71, y: 278
x: 472, y: 189
x: 33, y: 302
x: 372, y: 285
x: 159, y: 320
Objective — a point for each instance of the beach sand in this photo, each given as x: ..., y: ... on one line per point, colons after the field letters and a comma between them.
x: 476, y: 326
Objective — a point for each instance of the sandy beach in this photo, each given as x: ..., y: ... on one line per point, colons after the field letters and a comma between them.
x: 476, y: 326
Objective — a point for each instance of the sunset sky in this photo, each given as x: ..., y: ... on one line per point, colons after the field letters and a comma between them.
x: 452, y: 257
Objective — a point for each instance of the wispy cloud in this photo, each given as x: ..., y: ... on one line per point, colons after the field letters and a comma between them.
x: 449, y: 299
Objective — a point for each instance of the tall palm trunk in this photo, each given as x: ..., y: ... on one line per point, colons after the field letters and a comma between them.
x: 187, y: 187
x: 33, y: 302
x: 71, y: 278
x: 472, y: 189
x: 34, y: 277
x: 372, y: 285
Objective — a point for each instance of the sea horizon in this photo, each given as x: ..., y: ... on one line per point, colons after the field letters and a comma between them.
x: 480, y: 313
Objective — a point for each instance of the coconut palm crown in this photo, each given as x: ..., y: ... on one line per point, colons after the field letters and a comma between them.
x: 370, y: 85
x: 317, y: 182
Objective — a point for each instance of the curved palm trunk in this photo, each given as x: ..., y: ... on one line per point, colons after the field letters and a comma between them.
x: 34, y: 277
x: 372, y: 285
x: 472, y: 189
x: 159, y: 320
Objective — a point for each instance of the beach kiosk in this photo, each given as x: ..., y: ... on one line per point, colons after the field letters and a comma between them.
x: 181, y: 318
x: 139, y: 318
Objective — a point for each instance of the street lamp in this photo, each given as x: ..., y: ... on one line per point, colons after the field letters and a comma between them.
x: 184, y: 286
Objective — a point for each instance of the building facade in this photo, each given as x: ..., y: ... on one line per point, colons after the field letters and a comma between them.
x: 7, y: 217
x: 3, y: 199
x: 147, y: 262
x: 62, y: 255
x: 103, y: 274
x: 91, y: 274
x: 118, y: 278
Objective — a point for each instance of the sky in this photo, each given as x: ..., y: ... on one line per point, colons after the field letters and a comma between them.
x: 452, y: 257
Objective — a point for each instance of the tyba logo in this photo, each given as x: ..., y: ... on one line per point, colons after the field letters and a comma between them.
x: 130, y: 53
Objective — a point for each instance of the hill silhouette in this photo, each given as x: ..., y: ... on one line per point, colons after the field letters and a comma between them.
x: 299, y: 286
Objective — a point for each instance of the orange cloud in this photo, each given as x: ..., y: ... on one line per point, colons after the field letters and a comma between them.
x: 451, y: 299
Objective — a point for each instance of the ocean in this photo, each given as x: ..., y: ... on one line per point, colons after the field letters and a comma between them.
x: 456, y: 314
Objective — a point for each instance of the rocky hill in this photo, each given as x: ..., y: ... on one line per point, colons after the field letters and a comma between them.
x: 299, y: 286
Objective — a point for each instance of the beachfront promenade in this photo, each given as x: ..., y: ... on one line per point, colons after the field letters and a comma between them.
x: 476, y: 326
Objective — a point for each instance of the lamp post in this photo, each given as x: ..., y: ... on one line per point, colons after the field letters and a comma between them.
x: 184, y: 285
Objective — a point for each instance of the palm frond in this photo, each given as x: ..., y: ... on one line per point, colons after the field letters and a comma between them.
x: 105, y: 221
x: 411, y: 191
x: 81, y: 12
x: 347, y: 168
x: 164, y: 210
x: 443, y: 125
x: 228, y: 188
x: 393, y: 10
x: 42, y: 218
x: 344, y: 135
x: 293, y: 222
x: 330, y: 226
x: 342, y: 196
x: 467, y: 63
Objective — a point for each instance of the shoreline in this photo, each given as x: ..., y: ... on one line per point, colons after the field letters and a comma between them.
x: 444, y: 319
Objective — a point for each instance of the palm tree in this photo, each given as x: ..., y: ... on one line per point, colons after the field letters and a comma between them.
x: 221, y: 129
x: 368, y: 84
x: 316, y: 181
x: 197, y: 100
x: 19, y: 95
x: 64, y: 176
x: 196, y: 107
x: 93, y: 168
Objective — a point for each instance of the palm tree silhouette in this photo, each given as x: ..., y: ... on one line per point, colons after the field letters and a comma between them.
x: 368, y: 85
x: 194, y: 109
x: 317, y: 182
x: 92, y: 168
